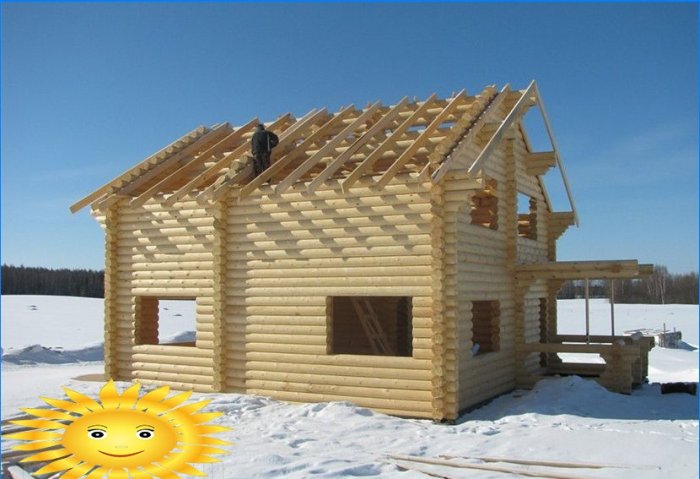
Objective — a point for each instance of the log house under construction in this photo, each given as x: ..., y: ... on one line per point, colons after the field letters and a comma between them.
x: 381, y: 259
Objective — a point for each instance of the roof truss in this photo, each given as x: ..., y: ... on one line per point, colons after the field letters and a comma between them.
x: 426, y: 140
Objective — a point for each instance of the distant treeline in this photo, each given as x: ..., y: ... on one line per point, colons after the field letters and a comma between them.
x: 661, y: 287
x: 59, y: 282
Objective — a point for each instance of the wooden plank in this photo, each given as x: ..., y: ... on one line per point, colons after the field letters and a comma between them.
x: 390, y: 141
x: 540, y: 462
x: 338, y: 162
x: 277, y: 166
x: 313, y: 159
x: 422, y: 138
x: 579, y: 270
x: 232, y: 140
x: 553, y: 141
x: 483, y: 467
x: 514, y: 115
x: 213, y: 135
x: 480, y: 122
x: 95, y: 195
x: 218, y: 166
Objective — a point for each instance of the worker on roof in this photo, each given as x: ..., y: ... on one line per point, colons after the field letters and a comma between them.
x: 262, y: 143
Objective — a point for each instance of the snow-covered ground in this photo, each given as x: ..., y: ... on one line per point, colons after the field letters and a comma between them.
x: 562, y: 419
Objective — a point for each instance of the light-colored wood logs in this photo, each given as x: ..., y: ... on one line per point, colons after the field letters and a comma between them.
x: 351, y: 210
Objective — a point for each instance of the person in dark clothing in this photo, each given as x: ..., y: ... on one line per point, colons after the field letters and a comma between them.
x: 262, y: 143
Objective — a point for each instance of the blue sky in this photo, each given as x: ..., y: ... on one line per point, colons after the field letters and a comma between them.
x: 88, y: 90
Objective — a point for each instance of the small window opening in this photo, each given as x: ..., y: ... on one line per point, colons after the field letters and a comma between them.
x: 165, y: 321
x: 372, y: 325
x: 486, y: 329
x: 527, y: 216
x: 484, y: 207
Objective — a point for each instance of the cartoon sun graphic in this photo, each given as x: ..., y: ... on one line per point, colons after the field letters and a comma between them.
x: 121, y: 436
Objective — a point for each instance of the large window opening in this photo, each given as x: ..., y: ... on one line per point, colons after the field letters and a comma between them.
x: 484, y: 206
x: 486, y: 329
x: 527, y: 216
x: 165, y: 320
x: 372, y: 325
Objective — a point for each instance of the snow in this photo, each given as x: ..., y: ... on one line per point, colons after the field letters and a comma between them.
x: 564, y: 419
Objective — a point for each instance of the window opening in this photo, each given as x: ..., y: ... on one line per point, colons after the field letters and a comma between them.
x: 527, y: 216
x: 484, y: 206
x: 485, y: 327
x: 371, y: 325
x: 165, y: 320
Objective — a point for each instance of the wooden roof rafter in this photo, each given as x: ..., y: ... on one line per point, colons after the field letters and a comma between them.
x: 227, y: 159
x: 553, y: 141
x: 514, y: 115
x: 309, y: 162
x: 134, y: 171
x: 292, y: 133
x: 338, y: 162
x: 422, y: 138
x: 231, y: 141
x: 390, y: 141
x: 482, y: 114
x: 214, y: 135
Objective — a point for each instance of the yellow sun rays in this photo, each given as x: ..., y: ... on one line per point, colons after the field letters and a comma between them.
x: 87, y: 438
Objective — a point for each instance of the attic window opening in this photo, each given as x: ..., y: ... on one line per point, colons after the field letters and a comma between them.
x: 370, y: 325
x: 527, y: 216
x: 160, y: 320
x: 486, y: 330
x: 484, y: 207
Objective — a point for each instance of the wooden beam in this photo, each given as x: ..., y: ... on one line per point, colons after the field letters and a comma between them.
x: 292, y: 134
x: 579, y: 270
x: 540, y: 182
x: 559, y: 222
x: 232, y: 140
x: 476, y: 127
x: 553, y: 141
x: 391, y: 140
x: 514, y: 115
x: 537, y: 164
x: 126, y: 176
x: 422, y: 139
x: 308, y: 163
x: 337, y: 163
x: 218, y: 166
x: 212, y: 136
